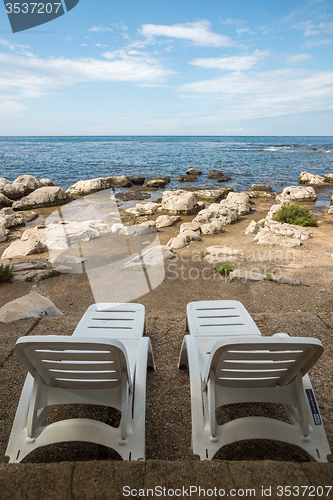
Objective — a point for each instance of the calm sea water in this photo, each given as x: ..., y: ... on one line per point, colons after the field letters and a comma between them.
x: 277, y: 161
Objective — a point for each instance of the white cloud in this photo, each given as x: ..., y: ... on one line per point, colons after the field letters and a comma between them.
x: 33, y: 77
x: 199, y: 33
x: 241, y: 30
x: 100, y: 28
x: 232, y: 63
x: 311, y: 29
x: 297, y: 58
x: 268, y: 93
x: 69, y: 38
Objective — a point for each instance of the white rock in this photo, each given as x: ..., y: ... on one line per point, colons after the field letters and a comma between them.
x: 152, y: 256
x: 32, y: 305
x: 221, y: 259
x: 32, y: 241
x: 118, y: 180
x: 274, y: 239
x: 211, y: 195
x: 166, y: 220
x: 220, y: 250
x: 22, y: 186
x: 252, y: 228
x: 3, y: 183
x: 46, y: 182
x: 116, y: 227
x: 144, y: 208
x: 4, y: 201
x: 189, y: 226
x: 288, y: 280
x: 179, y: 241
x: 246, y: 275
x: 216, y: 211
x: 137, y: 230
x: 47, y: 196
x: 213, y: 227
x: 297, y: 193
x: 10, y: 218
x: 312, y: 179
x: 328, y: 177
x: 83, y: 188
x: 288, y: 229
x: 3, y: 232
x: 191, y: 235
x: 240, y: 201
x: 180, y: 201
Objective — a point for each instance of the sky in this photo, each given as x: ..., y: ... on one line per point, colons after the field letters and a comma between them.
x: 180, y: 67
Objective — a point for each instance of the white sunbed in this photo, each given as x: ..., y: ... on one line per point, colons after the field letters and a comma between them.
x: 238, y: 367
x: 103, y: 363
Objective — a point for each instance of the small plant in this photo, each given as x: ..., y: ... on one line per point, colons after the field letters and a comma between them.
x: 6, y: 274
x: 91, y: 234
x: 50, y: 274
x: 262, y: 223
x: 293, y: 213
x: 269, y: 277
x: 202, y: 254
x: 29, y: 278
x: 225, y: 269
x: 317, y: 310
x: 326, y: 310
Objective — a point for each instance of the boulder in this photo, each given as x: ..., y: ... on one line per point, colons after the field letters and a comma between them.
x: 4, y: 201
x: 139, y: 229
x: 210, y: 195
x: 191, y: 235
x: 32, y: 305
x: 83, y: 188
x: 32, y: 241
x: 152, y: 256
x: 217, y: 211
x: 189, y: 226
x: 285, y: 229
x: 22, y: 186
x: 287, y: 280
x: 159, y: 181
x: 187, y: 178
x: 218, y: 254
x: 178, y: 242
x: 225, y: 178
x: 237, y: 201
x: 262, y: 194
x: 193, y: 171
x: 11, y: 218
x: 263, y: 238
x: 136, y: 180
x: 328, y: 177
x: 3, y: 231
x: 312, y: 179
x: 296, y: 193
x: 252, y: 228
x: 213, y: 227
x: 3, y: 183
x: 46, y: 182
x: 331, y: 202
x: 144, y: 208
x: 48, y: 196
x: 260, y: 187
x: 215, y: 174
x: 118, y: 180
x: 166, y: 220
x: 60, y: 236
x: 179, y: 202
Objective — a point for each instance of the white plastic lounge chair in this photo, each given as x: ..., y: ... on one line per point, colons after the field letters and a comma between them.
x: 90, y: 367
x: 209, y: 320
x: 243, y: 369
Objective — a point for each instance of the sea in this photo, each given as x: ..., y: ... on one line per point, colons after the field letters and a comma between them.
x: 276, y: 161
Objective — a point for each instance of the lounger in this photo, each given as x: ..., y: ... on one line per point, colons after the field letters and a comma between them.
x: 251, y: 368
x: 103, y: 363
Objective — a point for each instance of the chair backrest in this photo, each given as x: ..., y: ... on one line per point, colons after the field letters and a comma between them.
x: 113, y: 320
x: 262, y: 361
x: 78, y: 363
x: 220, y: 318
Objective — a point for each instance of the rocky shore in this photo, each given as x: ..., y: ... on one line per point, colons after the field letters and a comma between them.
x: 282, y: 273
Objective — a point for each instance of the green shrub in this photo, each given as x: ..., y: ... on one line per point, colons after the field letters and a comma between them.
x: 293, y: 213
x: 50, y: 274
x: 225, y: 269
x: 6, y: 274
x: 262, y: 223
x: 269, y: 277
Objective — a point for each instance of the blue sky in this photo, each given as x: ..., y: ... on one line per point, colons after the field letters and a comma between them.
x: 209, y: 67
